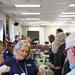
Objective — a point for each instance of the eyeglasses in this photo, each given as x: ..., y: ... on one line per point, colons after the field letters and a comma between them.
x: 65, y: 51
x: 69, y: 48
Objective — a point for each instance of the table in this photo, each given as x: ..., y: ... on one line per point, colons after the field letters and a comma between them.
x: 41, y: 61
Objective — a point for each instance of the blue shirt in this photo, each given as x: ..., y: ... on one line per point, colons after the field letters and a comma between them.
x: 15, y: 68
x: 7, y: 54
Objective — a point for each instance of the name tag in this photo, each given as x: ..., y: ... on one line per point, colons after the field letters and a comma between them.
x: 7, y: 52
x: 16, y: 74
x: 23, y: 74
x: 29, y: 65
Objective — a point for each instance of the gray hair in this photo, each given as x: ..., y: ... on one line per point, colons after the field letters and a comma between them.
x: 20, y: 44
x: 61, y: 36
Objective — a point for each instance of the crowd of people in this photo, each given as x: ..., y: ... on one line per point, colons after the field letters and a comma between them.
x: 62, y: 57
x: 16, y: 57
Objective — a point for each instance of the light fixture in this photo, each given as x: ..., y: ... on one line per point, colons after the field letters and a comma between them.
x: 58, y: 23
x: 27, y: 5
x: 34, y: 23
x: 30, y: 13
x: 44, y: 24
x: 63, y: 18
x: 72, y: 5
x: 32, y: 18
x: 68, y: 13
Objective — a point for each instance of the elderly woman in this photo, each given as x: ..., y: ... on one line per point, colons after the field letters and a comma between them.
x: 21, y: 63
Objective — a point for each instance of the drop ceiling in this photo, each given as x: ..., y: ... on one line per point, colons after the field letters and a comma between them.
x: 49, y: 12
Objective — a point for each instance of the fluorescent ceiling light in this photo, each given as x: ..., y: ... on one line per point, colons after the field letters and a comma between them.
x: 72, y: 5
x: 63, y: 18
x: 22, y: 19
x: 68, y: 13
x: 30, y: 13
x: 45, y: 24
x: 27, y: 5
x: 56, y: 24
x: 34, y: 23
x: 17, y: 19
x: 32, y: 18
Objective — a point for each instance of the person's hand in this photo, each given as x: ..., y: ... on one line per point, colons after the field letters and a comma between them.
x: 57, y: 68
x: 41, y: 69
x: 52, y: 66
x: 4, y: 69
x: 49, y: 64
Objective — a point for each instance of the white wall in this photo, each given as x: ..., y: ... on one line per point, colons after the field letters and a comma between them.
x: 1, y: 30
x: 24, y: 30
x: 52, y: 30
x: 3, y: 18
x: 18, y: 30
x: 11, y: 29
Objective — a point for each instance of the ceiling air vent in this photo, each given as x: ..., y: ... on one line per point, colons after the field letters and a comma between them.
x: 1, y: 3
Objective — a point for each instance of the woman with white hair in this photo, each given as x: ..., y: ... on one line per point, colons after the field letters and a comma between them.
x: 21, y: 63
